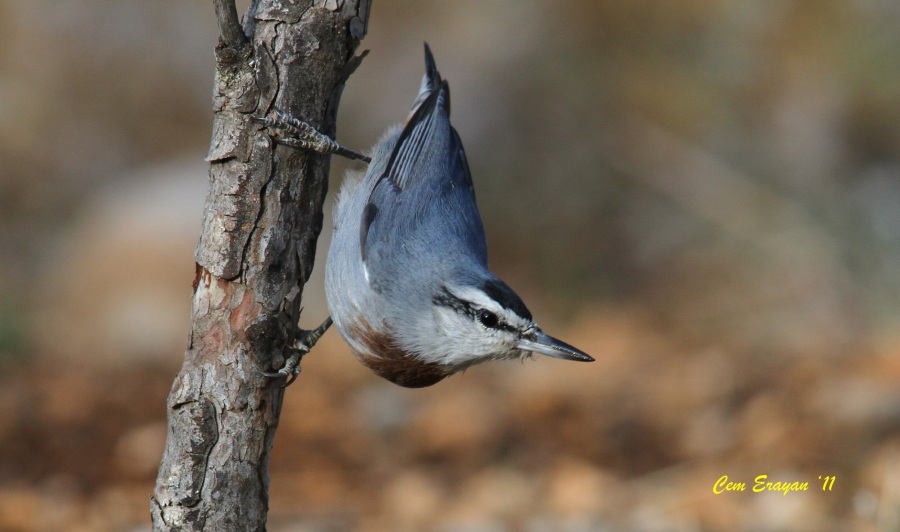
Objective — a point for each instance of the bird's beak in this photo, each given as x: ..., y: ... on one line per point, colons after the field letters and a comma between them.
x: 538, y: 342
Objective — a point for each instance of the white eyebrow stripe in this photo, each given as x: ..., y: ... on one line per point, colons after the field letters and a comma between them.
x: 477, y: 298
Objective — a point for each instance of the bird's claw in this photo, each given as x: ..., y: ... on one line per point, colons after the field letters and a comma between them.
x: 303, y: 136
x: 291, y: 368
x: 302, y: 345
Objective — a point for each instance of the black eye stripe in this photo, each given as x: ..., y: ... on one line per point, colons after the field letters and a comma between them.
x: 446, y: 299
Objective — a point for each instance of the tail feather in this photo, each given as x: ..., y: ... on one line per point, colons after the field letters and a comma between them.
x: 431, y: 81
x: 426, y: 126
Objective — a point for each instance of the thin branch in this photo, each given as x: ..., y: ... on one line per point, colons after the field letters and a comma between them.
x: 257, y: 246
x: 229, y: 23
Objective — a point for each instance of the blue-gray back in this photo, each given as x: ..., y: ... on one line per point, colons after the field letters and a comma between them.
x: 421, y: 217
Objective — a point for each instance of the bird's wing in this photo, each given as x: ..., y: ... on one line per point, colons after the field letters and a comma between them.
x: 424, y: 196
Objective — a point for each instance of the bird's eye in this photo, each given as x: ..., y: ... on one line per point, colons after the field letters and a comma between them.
x: 488, y: 318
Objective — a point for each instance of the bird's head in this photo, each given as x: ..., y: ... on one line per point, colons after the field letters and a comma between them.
x: 484, y: 319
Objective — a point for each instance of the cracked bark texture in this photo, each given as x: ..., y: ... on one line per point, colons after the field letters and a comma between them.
x: 262, y: 218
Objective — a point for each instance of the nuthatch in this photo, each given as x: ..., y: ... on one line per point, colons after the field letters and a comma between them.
x: 406, y: 278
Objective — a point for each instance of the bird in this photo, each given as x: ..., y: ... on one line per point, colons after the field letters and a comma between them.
x: 406, y: 277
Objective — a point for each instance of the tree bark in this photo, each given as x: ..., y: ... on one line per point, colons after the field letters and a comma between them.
x: 262, y: 218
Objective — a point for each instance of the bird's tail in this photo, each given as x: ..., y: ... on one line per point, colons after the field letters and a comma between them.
x: 431, y: 81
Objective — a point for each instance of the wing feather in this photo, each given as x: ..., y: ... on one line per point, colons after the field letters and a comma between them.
x: 426, y: 179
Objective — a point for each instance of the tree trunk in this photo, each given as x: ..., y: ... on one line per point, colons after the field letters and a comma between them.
x: 262, y: 218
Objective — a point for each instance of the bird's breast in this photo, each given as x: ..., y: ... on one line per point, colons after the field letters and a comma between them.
x: 382, y: 354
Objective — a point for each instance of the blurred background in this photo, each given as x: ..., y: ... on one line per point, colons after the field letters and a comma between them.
x: 705, y: 195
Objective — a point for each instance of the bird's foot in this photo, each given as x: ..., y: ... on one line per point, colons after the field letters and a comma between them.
x: 300, y: 135
x: 302, y: 345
